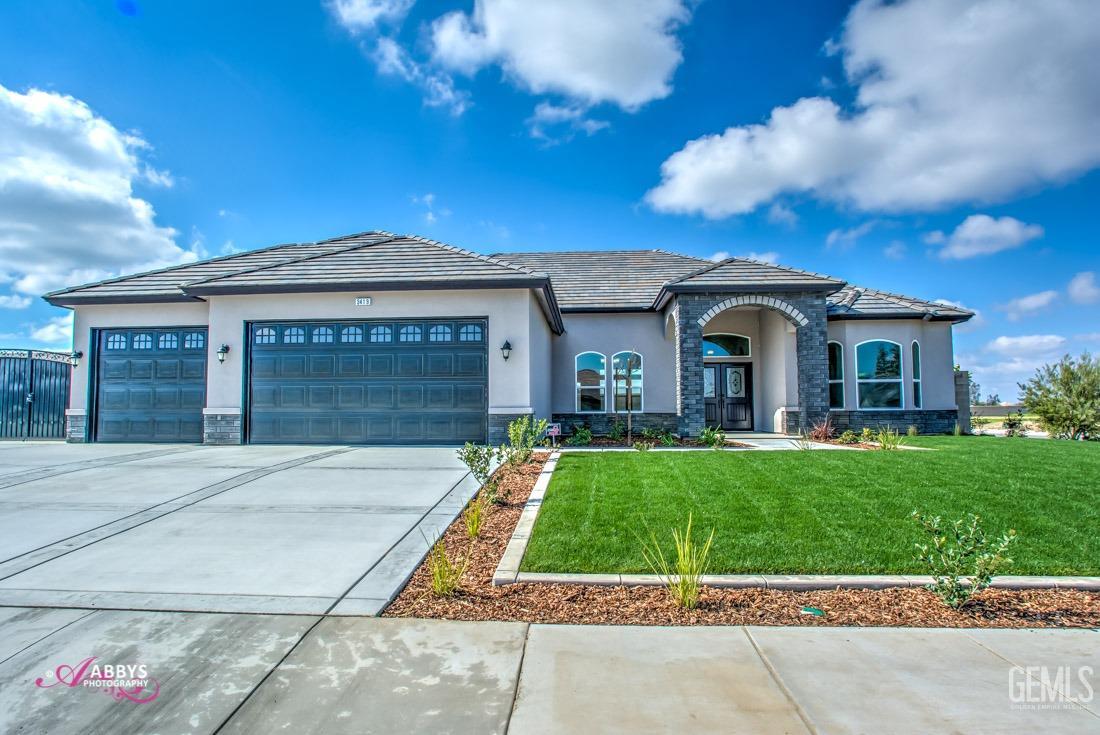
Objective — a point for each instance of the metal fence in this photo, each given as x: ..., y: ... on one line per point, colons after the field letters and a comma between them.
x: 34, y: 393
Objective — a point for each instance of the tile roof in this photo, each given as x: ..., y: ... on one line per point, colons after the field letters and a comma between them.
x: 744, y: 273
x: 607, y: 280
x: 856, y: 302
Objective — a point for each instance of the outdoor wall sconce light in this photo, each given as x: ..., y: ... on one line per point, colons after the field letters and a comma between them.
x: 222, y: 352
x: 506, y: 350
x: 75, y: 357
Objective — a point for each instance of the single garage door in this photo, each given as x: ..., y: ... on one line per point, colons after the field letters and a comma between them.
x: 369, y: 382
x: 150, y: 385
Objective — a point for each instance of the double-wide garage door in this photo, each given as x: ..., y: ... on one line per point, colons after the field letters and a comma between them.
x: 369, y: 382
x: 150, y: 384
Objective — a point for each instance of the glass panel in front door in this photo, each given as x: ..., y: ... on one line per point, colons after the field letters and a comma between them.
x: 735, y: 382
x: 708, y: 382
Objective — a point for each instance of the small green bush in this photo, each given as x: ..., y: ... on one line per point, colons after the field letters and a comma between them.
x: 523, y: 434
x: 958, y: 549
x: 803, y: 442
x: 867, y: 436
x: 682, y: 576
x: 668, y: 439
x: 889, y: 439
x: 475, y: 513
x: 481, y: 459
x: 848, y: 437
x: 1014, y: 424
x: 1066, y: 397
x: 712, y: 436
x: 912, y: 430
x: 617, y: 430
x: 643, y: 446
x: 582, y: 437
x: 446, y: 575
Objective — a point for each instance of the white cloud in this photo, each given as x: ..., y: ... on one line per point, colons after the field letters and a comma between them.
x: 895, y: 250
x: 431, y: 212
x: 619, y: 51
x: 57, y: 331
x: 980, y: 234
x: 768, y: 256
x: 780, y: 214
x: 719, y: 256
x: 955, y: 102
x: 1017, y: 309
x: 68, y: 213
x: 14, y: 301
x: 558, y: 123
x: 359, y: 16
x: 438, y: 88
x: 1083, y: 289
x: 973, y: 324
x: 1027, y: 344
x: 846, y: 238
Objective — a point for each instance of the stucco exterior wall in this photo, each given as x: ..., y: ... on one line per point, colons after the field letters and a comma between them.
x: 779, y: 370
x: 936, y: 349
x: 610, y: 333
x: 541, y: 363
x: 86, y: 318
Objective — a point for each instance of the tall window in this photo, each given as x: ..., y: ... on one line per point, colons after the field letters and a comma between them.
x: 591, y: 378
x: 917, y: 400
x: 622, y: 365
x: 726, y: 345
x: 878, y: 371
x: 836, y: 375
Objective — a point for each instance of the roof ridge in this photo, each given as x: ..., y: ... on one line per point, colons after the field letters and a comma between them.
x: 365, y: 233
x: 356, y: 246
x: 804, y: 272
x: 486, y: 258
x: 116, y: 279
x: 901, y: 299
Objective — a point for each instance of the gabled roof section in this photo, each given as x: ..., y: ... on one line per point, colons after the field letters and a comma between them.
x: 856, y: 302
x: 744, y: 274
x: 607, y: 280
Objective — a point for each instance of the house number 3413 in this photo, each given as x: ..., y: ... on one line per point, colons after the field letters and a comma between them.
x: 362, y: 300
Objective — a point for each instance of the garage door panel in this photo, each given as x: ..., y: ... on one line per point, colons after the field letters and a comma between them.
x: 150, y: 384
x: 363, y: 384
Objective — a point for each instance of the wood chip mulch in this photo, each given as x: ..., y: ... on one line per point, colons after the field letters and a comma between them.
x: 552, y: 603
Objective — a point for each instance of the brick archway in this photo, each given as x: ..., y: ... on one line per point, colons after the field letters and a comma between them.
x: 770, y: 302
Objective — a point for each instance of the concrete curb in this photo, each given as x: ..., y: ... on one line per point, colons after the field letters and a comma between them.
x: 508, y: 569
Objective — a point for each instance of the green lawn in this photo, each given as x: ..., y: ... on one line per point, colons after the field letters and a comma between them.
x: 823, y: 512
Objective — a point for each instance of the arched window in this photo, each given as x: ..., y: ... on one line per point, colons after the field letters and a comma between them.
x: 294, y: 336
x: 381, y: 333
x: 469, y: 333
x: 143, y: 341
x: 169, y: 341
x: 265, y: 336
x: 194, y: 341
x: 351, y: 335
x: 322, y: 335
x: 878, y: 374
x: 439, y: 333
x: 917, y: 398
x: 591, y: 378
x: 116, y: 342
x: 836, y: 375
x: 622, y: 365
x: 409, y: 333
x: 726, y: 345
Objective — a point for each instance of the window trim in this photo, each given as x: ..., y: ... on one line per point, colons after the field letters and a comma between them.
x: 916, y: 372
x: 729, y: 357
x: 900, y: 380
x: 843, y: 392
x: 641, y: 382
x: 577, y: 385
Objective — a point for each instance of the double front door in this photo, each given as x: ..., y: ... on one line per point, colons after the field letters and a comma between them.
x: 727, y: 395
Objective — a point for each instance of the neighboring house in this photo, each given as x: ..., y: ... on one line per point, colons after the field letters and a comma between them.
x: 389, y: 339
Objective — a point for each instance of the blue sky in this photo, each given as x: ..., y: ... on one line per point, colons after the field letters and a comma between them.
x: 940, y: 149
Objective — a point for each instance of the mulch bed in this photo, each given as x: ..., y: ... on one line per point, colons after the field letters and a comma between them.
x: 604, y: 441
x: 553, y: 603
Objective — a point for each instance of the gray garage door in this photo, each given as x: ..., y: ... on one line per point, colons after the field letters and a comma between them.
x: 376, y: 382
x: 150, y: 385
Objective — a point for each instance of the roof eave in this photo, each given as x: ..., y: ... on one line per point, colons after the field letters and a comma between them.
x: 953, y: 318
x: 60, y: 299
x: 441, y: 284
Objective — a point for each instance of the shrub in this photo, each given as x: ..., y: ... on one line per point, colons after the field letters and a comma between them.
x: 523, y: 433
x: 803, y: 442
x: 712, y: 436
x: 1066, y: 397
x: 446, y: 575
x: 618, y: 428
x: 958, y: 549
x: 848, y: 437
x: 1014, y: 424
x: 480, y: 459
x: 912, y: 430
x: 643, y: 446
x: 977, y: 422
x: 867, y: 436
x: 475, y: 514
x: 650, y: 434
x: 889, y: 439
x: 682, y: 576
x: 582, y: 437
x: 822, y: 431
x: 668, y: 439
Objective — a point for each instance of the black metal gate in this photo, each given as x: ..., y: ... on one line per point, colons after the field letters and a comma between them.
x: 34, y: 393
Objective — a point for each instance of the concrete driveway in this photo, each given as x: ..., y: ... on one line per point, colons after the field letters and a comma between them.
x: 294, y: 530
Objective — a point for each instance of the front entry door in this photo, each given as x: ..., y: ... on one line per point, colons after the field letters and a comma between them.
x: 727, y: 396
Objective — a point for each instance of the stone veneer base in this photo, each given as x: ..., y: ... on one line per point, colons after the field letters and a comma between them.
x: 76, y: 428
x: 221, y: 428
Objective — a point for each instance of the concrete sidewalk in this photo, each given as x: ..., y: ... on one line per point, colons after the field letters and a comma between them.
x: 272, y: 673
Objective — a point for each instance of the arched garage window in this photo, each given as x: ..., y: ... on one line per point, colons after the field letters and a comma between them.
x: 591, y: 377
x: 726, y: 345
x: 878, y: 371
x: 836, y: 375
x: 622, y: 365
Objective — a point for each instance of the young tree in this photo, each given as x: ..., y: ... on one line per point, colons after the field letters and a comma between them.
x: 623, y: 370
x: 1066, y: 397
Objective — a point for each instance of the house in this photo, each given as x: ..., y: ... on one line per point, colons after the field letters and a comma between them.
x: 394, y: 339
